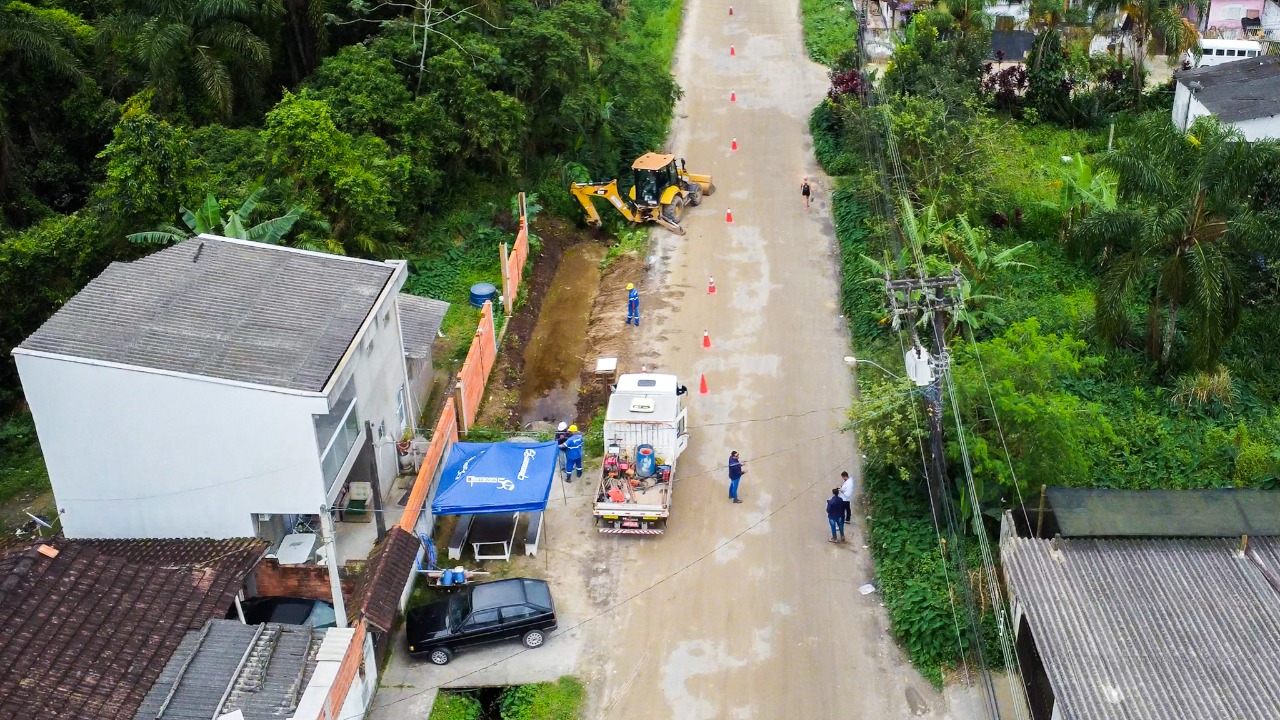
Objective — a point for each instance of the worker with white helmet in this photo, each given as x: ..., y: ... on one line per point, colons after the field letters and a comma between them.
x: 633, y: 305
x: 572, y: 447
x: 562, y: 434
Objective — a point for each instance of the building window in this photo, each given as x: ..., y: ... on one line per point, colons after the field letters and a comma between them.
x: 336, y: 433
x: 400, y: 413
x: 1233, y: 12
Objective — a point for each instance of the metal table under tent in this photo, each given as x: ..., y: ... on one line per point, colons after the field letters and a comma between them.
x: 489, y: 485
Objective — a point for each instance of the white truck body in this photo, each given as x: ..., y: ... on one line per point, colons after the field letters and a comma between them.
x: 644, y: 409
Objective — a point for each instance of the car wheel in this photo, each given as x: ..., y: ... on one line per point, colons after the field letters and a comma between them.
x: 441, y: 655
x: 533, y: 639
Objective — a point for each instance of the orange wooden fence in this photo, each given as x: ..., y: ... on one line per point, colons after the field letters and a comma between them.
x: 456, y: 417
x: 446, y: 434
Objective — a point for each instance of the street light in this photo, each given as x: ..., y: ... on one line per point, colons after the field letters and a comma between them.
x: 854, y: 362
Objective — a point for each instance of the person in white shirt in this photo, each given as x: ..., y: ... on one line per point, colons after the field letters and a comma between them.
x: 846, y: 494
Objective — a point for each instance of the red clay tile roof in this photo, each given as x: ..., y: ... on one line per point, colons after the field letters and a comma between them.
x: 84, y: 635
x: 385, y: 578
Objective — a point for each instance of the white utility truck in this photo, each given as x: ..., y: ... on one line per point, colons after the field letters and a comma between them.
x: 644, y: 433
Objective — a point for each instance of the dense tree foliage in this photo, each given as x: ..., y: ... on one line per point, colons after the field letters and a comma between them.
x: 373, y: 128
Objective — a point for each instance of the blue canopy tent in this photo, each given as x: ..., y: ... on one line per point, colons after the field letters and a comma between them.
x: 495, y: 481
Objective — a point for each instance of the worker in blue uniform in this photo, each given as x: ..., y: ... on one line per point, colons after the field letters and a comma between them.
x: 572, y: 447
x: 633, y: 305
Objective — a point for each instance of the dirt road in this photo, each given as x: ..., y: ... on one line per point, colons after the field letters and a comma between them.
x: 746, y: 611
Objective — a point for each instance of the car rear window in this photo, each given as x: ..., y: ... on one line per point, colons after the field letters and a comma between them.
x: 497, y: 594
x: 538, y: 593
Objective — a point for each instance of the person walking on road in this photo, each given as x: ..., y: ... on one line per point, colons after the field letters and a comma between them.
x: 806, y: 191
x: 562, y: 434
x: 835, y: 515
x: 736, y: 471
x: 572, y: 454
x: 846, y: 494
x: 633, y: 305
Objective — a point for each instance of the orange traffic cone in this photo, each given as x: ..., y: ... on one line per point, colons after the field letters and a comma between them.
x: 733, y: 96
x: 711, y: 286
x: 702, y: 387
x: 728, y: 215
x: 706, y: 339
x: 731, y: 51
x: 734, y: 146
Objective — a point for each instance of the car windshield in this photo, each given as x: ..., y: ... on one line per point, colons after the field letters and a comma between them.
x: 459, y: 608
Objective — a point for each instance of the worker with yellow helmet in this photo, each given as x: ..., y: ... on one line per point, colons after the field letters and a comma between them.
x: 633, y: 305
x: 572, y: 453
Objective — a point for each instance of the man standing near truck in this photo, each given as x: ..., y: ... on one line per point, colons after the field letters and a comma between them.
x: 562, y: 434
x: 572, y: 454
x: 736, y: 472
x: 633, y: 305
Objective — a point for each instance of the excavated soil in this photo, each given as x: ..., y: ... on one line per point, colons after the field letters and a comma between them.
x: 608, y: 334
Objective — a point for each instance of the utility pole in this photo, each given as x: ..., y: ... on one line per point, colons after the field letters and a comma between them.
x: 908, y: 298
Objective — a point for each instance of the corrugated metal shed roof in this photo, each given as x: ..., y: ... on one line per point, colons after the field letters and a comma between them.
x: 1153, y: 629
x: 420, y: 319
x: 221, y: 308
x: 1238, y: 90
x: 260, y: 670
x: 1223, y: 512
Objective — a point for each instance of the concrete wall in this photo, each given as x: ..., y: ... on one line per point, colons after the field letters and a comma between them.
x: 140, y: 454
x: 1218, y: 10
x: 377, y: 365
x: 1267, y: 128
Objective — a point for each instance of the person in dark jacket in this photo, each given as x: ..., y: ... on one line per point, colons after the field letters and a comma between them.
x: 835, y: 515
x: 736, y: 471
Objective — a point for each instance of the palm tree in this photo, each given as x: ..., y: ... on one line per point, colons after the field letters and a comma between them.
x: 1181, y: 225
x: 208, y: 42
x: 208, y: 219
x: 1080, y: 190
x: 1150, y: 18
x: 30, y: 38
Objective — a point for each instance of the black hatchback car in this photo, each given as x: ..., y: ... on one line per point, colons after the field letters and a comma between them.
x: 482, y: 613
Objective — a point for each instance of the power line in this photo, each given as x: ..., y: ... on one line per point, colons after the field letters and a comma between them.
x: 625, y: 600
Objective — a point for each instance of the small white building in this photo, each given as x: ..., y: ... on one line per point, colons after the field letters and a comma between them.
x: 221, y: 388
x: 1244, y: 94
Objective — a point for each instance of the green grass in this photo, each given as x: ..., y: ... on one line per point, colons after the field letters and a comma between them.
x: 560, y: 700
x: 22, y: 470
x: 455, y: 706
x: 830, y: 29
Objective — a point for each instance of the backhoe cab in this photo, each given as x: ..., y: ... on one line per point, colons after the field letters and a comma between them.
x: 660, y: 193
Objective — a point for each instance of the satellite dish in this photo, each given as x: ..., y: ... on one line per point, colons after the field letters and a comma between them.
x: 918, y: 367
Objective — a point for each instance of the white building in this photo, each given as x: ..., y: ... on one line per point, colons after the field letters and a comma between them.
x: 220, y: 388
x: 1244, y: 94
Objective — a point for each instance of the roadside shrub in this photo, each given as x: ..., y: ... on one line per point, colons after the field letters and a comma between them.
x: 455, y: 706
x: 560, y: 700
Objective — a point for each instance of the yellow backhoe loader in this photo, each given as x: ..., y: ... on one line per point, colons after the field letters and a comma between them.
x: 660, y: 194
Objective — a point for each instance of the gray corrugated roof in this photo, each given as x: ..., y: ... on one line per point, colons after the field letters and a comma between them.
x: 225, y: 309
x: 1222, y: 512
x: 1238, y: 90
x: 420, y: 319
x: 1153, y: 629
x: 260, y: 670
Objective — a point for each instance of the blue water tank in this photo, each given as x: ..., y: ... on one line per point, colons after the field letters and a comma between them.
x: 481, y: 292
x: 646, y: 463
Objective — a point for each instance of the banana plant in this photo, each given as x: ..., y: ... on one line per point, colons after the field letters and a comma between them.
x: 208, y: 219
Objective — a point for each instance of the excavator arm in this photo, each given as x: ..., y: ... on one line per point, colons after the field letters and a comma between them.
x: 607, y: 190
x: 584, y: 192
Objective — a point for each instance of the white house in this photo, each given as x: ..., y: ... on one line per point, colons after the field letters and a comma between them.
x: 219, y: 388
x: 1244, y: 94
